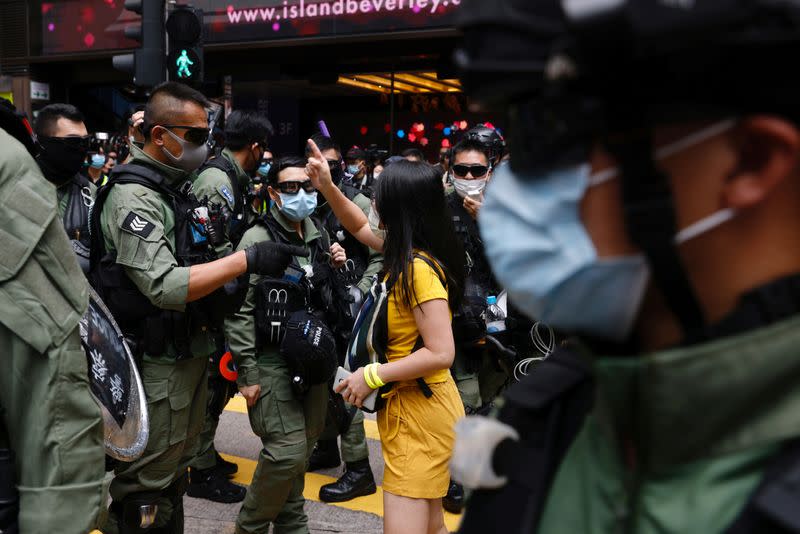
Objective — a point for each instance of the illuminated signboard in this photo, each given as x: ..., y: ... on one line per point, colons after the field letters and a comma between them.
x: 70, y: 26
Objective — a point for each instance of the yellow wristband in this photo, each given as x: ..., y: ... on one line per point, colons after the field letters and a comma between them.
x: 368, y: 378
x: 375, y: 378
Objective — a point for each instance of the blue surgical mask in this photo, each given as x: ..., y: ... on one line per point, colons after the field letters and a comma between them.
x: 542, y: 254
x: 353, y: 169
x: 98, y: 160
x: 263, y: 170
x: 298, y: 207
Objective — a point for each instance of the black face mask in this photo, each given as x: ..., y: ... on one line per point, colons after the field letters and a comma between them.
x: 61, y: 157
x: 337, y: 174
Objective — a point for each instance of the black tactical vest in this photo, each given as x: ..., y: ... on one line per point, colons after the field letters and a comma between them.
x: 357, y: 253
x: 76, y: 214
x: 479, y: 283
x: 152, y: 329
x: 236, y: 221
x: 278, y: 298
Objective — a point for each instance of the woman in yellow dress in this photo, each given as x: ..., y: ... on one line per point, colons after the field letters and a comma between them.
x: 422, y: 262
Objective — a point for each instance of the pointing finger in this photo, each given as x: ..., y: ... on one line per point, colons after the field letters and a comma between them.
x: 315, y: 150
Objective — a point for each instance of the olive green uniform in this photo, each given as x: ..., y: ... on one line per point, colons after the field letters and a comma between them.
x: 49, y: 417
x: 354, y: 440
x: 216, y: 185
x: 175, y: 390
x: 288, y: 425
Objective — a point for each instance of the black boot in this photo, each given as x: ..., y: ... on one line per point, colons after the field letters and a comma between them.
x: 225, y: 467
x: 356, y: 481
x: 453, y: 502
x: 212, y: 485
x: 325, y: 455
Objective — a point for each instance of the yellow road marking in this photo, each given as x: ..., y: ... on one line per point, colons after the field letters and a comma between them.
x: 372, y: 504
x: 239, y: 405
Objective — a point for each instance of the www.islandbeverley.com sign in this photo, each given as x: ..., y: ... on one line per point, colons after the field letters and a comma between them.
x: 85, y: 25
x: 308, y: 18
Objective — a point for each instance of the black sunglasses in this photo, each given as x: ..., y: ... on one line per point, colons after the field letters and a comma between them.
x: 292, y: 188
x: 335, y: 163
x: 477, y: 171
x: 196, y: 136
x: 74, y: 142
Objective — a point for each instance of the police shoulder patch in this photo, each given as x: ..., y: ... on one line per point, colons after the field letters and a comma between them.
x: 138, y: 225
x: 226, y: 194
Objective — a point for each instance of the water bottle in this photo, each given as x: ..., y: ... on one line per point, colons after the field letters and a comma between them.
x: 494, y: 316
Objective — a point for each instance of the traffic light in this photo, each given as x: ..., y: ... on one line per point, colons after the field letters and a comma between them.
x: 146, y: 64
x: 185, y: 30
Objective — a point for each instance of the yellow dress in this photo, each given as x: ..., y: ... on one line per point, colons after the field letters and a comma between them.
x: 417, y: 435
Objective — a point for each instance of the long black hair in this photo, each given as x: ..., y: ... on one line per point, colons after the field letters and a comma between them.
x: 411, y: 203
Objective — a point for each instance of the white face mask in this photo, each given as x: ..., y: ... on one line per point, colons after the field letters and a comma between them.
x: 466, y: 187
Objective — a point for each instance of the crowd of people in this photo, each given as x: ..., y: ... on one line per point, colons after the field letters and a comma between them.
x: 647, y: 220
x: 283, y: 240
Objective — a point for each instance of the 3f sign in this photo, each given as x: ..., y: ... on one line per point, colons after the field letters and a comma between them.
x: 285, y: 128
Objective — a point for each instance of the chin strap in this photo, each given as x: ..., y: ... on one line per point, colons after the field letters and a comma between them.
x: 650, y: 222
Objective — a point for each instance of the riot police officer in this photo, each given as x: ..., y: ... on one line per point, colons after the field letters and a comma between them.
x: 477, y: 378
x: 225, y: 180
x: 650, y: 210
x: 288, y: 419
x: 64, y: 143
x: 48, y: 418
x: 355, y: 278
x: 151, y: 263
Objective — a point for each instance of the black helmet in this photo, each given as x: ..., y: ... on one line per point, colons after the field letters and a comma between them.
x: 490, y: 139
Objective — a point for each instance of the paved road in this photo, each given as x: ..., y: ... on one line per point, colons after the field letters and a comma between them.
x: 237, y: 443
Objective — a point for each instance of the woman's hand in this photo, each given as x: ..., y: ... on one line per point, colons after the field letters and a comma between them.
x: 354, y: 388
x: 318, y: 170
x: 338, y: 256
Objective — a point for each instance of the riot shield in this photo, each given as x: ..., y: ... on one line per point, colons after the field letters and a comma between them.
x: 115, y: 383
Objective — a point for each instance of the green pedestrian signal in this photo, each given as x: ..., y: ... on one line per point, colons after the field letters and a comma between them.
x: 185, y: 29
x: 183, y: 62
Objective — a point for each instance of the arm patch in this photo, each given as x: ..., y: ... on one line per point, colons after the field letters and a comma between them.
x: 138, y: 225
x: 225, y: 191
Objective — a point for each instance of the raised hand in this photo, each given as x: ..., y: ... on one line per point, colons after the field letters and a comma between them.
x: 318, y: 170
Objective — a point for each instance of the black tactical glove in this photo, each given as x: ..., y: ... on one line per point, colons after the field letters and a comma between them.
x: 271, y: 259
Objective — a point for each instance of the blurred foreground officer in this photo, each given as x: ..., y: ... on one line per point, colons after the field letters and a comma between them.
x: 48, y: 418
x: 152, y: 264
x: 652, y: 210
x: 63, y: 145
x: 225, y: 180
